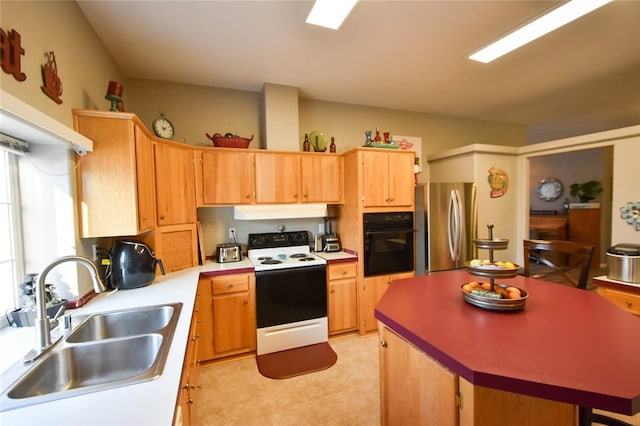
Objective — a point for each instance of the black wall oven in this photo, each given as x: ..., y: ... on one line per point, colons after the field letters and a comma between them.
x: 388, y: 243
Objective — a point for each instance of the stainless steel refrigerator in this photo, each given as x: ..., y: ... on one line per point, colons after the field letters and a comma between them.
x: 446, y: 225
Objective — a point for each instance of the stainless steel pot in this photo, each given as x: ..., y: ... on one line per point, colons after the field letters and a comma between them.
x: 624, y: 263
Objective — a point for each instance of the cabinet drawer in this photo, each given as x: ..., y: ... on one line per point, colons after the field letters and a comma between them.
x: 230, y: 284
x: 342, y: 270
x: 627, y: 301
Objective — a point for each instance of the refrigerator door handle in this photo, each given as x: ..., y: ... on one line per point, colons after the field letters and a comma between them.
x: 452, y: 226
x: 460, y: 221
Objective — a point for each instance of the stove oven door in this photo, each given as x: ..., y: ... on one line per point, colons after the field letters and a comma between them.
x: 285, y: 296
x: 291, y: 308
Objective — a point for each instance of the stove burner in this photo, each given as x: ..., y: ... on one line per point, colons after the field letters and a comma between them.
x: 265, y: 258
x: 271, y: 261
x: 296, y: 255
x: 306, y: 259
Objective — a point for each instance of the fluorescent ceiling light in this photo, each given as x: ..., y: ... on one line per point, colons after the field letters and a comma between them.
x: 541, y: 26
x: 330, y: 13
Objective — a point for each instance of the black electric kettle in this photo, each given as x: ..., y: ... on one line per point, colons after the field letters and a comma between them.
x: 133, y: 265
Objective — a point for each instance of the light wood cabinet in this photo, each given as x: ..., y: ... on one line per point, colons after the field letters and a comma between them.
x: 226, y: 177
x: 388, y: 179
x: 322, y: 178
x: 233, y: 316
x: 190, y: 379
x: 417, y: 389
x: 584, y: 227
x: 373, y: 290
x: 117, y: 174
x: 235, y: 177
x: 625, y: 296
x: 375, y: 180
x: 414, y: 388
x: 341, y: 297
x: 175, y: 245
x: 277, y: 178
x: 175, y: 184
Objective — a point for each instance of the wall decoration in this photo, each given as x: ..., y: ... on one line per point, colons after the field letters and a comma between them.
x: 410, y: 143
x: 549, y: 189
x: 498, y: 181
x: 10, y: 54
x: 631, y: 214
x: 52, y: 85
x: 114, y: 94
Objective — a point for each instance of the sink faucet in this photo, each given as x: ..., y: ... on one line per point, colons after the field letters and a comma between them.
x: 42, y: 323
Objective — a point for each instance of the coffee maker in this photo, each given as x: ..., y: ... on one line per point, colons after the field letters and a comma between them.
x: 331, y: 241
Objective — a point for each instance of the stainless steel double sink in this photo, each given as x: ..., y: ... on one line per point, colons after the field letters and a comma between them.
x: 106, y: 350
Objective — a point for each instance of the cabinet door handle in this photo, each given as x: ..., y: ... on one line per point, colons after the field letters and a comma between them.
x: 629, y: 303
x: 332, y: 291
x: 383, y: 343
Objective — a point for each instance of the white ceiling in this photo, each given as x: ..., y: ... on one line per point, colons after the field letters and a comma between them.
x: 407, y: 55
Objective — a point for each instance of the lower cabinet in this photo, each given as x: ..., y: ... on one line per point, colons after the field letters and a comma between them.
x: 372, y: 291
x: 415, y: 389
x: 341, y: 297
x: 228, y: 315
x: 189, y: 382
x: 625, y: 296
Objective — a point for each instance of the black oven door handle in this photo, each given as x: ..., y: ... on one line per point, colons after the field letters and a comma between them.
x: 392, y: 231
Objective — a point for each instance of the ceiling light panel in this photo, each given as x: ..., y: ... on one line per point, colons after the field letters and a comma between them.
x: 545, y: 24
x: 330, y: 13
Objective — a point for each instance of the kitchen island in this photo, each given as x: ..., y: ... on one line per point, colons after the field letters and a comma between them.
x: 567, y: 348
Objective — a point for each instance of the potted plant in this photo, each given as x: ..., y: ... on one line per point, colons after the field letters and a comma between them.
x: 586, y: 191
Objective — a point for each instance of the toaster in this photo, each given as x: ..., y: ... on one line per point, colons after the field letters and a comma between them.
x: 229, y: 252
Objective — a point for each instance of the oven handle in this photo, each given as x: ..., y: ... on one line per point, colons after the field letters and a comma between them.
x: 389, y: 231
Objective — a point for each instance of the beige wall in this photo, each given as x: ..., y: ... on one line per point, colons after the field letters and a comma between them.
x: 438, y: 132
x: 196, y: 110
x: 84, y: 66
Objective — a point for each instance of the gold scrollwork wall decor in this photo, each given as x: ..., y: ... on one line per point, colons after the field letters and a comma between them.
x: 498, y: 181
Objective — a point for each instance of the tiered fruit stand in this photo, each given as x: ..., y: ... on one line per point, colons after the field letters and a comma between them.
x: 493, y: 296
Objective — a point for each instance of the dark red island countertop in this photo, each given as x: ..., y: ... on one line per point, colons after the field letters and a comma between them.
x: 567, y: 345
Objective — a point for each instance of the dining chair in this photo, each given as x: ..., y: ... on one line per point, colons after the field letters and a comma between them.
x: 562, y: 261
x: 565, y: 262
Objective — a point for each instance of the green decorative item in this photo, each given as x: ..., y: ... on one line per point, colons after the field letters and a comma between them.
x: 586, y: 191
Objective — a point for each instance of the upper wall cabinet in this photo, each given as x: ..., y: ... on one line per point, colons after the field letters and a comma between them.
x: 322, y: 179
x: 277, y: 178
x: 115, y: 181
x: 236, y: 176
x: 175, y: 184
x: 225, y: 177
x: 387, y: 178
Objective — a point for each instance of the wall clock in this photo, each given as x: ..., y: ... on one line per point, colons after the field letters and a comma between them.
x: 549, y: 189
x: 162, y: 127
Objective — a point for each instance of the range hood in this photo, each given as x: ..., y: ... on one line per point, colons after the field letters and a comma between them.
x: 279, y: 211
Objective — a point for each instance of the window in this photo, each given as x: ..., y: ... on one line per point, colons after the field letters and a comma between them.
x: 11, y: 263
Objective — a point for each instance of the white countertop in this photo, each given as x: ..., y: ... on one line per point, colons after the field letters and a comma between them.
x: 147, y: 403
x: 337, y: 255
x: 626, y: 283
